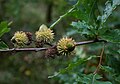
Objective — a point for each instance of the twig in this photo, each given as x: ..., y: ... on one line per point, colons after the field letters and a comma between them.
x: 22, y: 49
x: 89, y: 42
x: 42, y: 49
x: 95, y: 72
x: 101, y: 56
x: 64, y: 15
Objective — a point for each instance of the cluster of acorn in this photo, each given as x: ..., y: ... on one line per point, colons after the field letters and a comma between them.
x: 43, y: 36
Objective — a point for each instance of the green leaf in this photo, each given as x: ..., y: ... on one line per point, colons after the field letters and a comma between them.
x: 107, y: 69
x: 84, y: 11
x: 116, y: 2
x: 80, y: 14
x: 91, y: 79
x: 101, y: 82
x: 3, y: 28
x: 110, y: 6
x: 84, y: 29
x: 118, y: 51
x: 72, y: 65
x: 102, y: 30
x: 112, y: 36
x: 118, y: 78
x: 3, y: 45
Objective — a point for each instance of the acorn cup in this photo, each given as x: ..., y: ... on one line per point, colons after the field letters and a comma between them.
x: 65, y: 46
x: 29, y: 35
x: 51, y: 52
x: 21, y: 38
x: 43, y: 35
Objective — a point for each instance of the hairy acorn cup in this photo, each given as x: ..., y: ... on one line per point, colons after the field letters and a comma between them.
x: 29, y: 35
x: 21, y: 38
x: 44, y: 35
x: 65, y: 46
x: 51, y: 52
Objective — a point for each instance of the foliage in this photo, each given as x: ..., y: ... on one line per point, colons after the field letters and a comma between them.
x: 3, y: 29
x: 97, y: 29
x: 86, y: 20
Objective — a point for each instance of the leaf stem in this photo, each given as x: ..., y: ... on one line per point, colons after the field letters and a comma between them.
x: 64, y: 15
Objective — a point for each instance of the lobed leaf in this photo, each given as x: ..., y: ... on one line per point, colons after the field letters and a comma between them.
x: 72, y: 65
x: 110, y: 6
x: 112, y: 36
x: 4, y: 28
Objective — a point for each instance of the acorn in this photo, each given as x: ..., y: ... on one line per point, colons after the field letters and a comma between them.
x: 65, y: 46
x: 21, y: 38
x: 44, y: 35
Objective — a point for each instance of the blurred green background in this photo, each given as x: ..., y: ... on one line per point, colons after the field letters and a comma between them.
x: 29, y: 67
